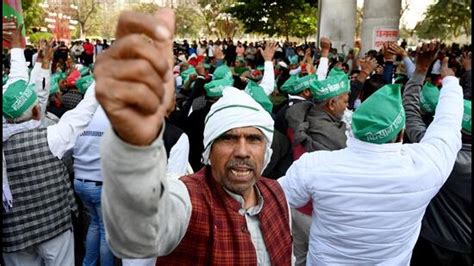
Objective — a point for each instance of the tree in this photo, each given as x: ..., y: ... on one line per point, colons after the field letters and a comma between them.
x: 188, y: 21
x: 33, y: 14
x: 217, y: 20
x: 87, y: 16
x: 282, y: 18
x: 446, y: 19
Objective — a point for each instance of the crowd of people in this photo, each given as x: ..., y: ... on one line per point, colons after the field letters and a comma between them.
x: 152, y: 151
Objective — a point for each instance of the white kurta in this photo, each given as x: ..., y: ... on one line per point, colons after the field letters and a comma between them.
x: 369, y: 199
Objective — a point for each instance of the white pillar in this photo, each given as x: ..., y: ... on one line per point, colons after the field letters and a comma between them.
x: 378, y: 14
x: 337, y: 22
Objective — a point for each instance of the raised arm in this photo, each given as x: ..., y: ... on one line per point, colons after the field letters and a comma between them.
x: 145, y: 214
x: 323, y: 66
x: 12, y: 33
x: 415, y: 126
x: 268, y: 79
x: 442, y: 139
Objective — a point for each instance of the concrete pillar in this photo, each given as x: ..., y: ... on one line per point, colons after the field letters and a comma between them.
x: 378, y: 14
x: 337, y: 22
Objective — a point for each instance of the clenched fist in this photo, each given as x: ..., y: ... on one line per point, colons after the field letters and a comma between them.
x: 134, y: 77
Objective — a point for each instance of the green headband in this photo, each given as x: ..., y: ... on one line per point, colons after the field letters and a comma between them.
x: 222, y: 72
x: 293, y: 59
x: 185, y: 74
x: 295, y: 84
x: 55, y: 78
x: 467, y: 119
x: 380, y: 117
x: 215, y: 87
x: 429, y: 97
x: 18, y: 97
x: 258, y: 94
x: 83, y: 83
x: 335, y: 84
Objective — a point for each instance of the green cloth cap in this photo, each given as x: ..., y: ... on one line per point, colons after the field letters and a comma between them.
x: 55, y: 78
x: 380, y: 117
x: 240, y: 59
x: 466, y: 119
x: 335, y: 84
x: 5, y: 79
x: 83, y: 83
x: 290, y: 84
x: 241, y: 69
x: 429, y: 97
x: 84, y: 71
x: 295, y: 84
x: 215, y: 87
x: 293, y: 59
x: 222, y: 72
x: 185, y: 74
x: 18, y: 97
x: 258, y: 94
x: 261, y: 68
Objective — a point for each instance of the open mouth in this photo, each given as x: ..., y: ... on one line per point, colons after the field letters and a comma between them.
x: 241, y: 172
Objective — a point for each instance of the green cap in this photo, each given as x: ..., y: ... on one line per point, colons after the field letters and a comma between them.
x: 429, y: 97
x: 55, y: 78
x: 5, y: 79
x: 258, y: 94
x: 293, y: 59
x: 18, y: 97
x: 222, y: 72
x: 466, y: 118
x: 240, y: 59
x: 296, y: 84
x: 83, y: 83
x: 335, y: 84
x: 84, y: 71
x: 380, y: 117
x: 261, y: 68
x: 185, y: 74
x: 215, y: 87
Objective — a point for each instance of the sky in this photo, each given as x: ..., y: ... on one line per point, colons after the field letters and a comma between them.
x: 413, y: 14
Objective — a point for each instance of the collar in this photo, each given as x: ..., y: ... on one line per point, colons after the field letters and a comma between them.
x: 254, y: 210
x: 362, y: 146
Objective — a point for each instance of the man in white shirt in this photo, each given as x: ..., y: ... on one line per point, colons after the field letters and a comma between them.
x: 370, y: 197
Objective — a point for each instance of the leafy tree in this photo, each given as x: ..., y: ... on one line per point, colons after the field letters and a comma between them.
x: 446, y: 19
x: 33, y: 14
x: 188, y: 21
x: 277, y: 18
x: 146, y: 7
x: 37, y: 36
x: 217, y: 20
x: 87, y: 15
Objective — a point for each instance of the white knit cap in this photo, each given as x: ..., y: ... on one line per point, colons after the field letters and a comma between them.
x: 236, y: 109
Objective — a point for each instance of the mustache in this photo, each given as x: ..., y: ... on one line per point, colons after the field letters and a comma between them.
x: 241, y: 163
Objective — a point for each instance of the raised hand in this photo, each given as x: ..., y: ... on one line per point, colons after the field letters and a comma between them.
x: 445, y: 70
x: 388, y: 54
x: 134, y: 77
x: 325, y: 44
x: 425, y: 55
x: 368, y: 65
x: 11, y: 32
x: 394, y: 48
x: 269, y: 51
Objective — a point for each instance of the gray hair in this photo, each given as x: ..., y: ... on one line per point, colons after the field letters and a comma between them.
x: 27, y: 115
